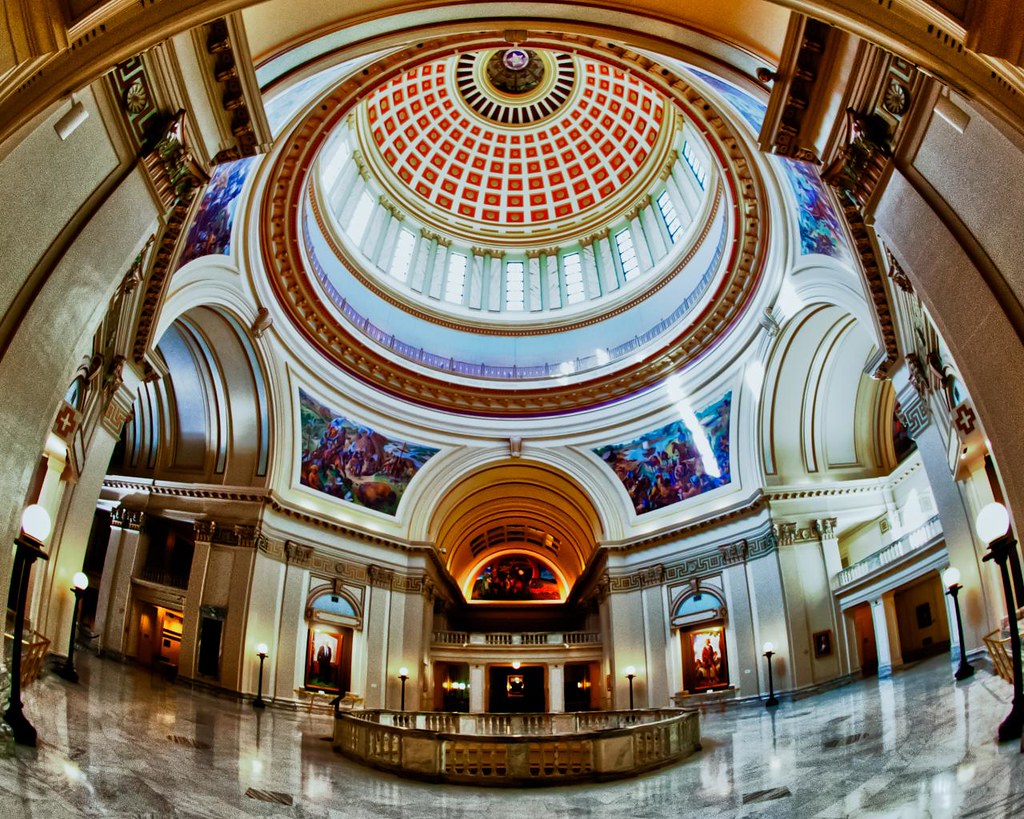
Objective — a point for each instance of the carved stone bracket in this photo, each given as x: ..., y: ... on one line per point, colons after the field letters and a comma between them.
x: 380, y: 577
x: 131, y: 519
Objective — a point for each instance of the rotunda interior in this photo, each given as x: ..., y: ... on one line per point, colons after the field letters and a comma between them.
x: 465, y: 358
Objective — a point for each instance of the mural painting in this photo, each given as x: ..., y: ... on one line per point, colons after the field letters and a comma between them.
x: 704, y: 662
x: 747, y: 106
x: 352, y: 462
x: 210, y: 231
x: 820, y: 231
x: 674, y: 463
x: 515, y: 577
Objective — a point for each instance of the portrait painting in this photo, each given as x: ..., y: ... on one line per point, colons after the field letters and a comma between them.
x: 705, y: 665
x: 323, y: 653
x: 822, y: 643
x: 351, y: 461
x: 674, y: 463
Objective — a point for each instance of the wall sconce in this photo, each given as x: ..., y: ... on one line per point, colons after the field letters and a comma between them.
x: 69, y: 123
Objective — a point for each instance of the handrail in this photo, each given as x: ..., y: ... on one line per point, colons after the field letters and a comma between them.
x: 509, y: 749
x: 34, y: 647
x: 922, y: 536
x: 509, y: 638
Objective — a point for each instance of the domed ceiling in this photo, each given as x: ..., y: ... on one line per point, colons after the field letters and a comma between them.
x: 496, y: 141
x: 548, y: 154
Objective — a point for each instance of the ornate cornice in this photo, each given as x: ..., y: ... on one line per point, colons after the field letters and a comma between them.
x: 283, y: 255
x: 706, y: 561
x: 750, y: 506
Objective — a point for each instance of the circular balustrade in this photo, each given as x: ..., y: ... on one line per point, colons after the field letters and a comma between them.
x: 517, y: 749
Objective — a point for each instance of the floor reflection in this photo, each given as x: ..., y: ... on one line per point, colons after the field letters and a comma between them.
x: 127, y: 743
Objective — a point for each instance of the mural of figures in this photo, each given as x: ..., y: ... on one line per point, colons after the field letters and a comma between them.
x: 748, y: 107
x: 210, y: 231
x: 705, y: 664
x: 515, y: 577
x: 673, y: 463
x: 350, y: 461
x: 820, y: 231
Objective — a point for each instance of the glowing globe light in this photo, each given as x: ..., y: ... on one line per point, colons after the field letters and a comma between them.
x: 992, y: 522
x: 80, y: 581
x: 951, y: 577
x: 261, y: 649
x: 35, y: 522
x: 769, y: 647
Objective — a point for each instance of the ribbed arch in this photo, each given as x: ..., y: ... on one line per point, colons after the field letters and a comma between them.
x: 820, y: 410
x: 208, y: 411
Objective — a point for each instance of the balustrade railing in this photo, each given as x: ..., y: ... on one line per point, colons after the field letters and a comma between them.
x: 920, y: 537
x: 504, y: 749
x: 502, y: 638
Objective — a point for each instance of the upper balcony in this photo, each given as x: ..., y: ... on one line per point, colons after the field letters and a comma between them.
x: 910, y: 555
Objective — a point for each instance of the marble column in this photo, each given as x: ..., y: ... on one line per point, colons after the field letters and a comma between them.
x: 378, y: 622
x: 977, y: 599
x: 191, y: 617
x: 123, y: 554
x: 654, y: 231
x: 887, y: 638
x: 556, y: 688
x: 477, y: 703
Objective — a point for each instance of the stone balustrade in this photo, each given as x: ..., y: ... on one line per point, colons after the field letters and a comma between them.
x: 517, y: 749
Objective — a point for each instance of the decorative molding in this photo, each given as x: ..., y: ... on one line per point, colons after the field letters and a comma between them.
x: 225, y: 70
x: 282, y: 250
x: 240, y: 494
x: 915, y: 416
x: 708, y: 561
x: 897, y: 274
x: 133, y: 88
x: 131, y: 519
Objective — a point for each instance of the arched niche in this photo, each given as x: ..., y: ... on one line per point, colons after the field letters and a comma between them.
x: 206, y: 418
x: 821, y: 412
x: 332, y: 617
x: 529, y: 509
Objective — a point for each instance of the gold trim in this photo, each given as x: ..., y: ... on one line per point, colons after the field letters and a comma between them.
x: 283, y: 257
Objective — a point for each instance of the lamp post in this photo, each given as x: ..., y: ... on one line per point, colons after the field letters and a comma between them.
x: 403, y: 675
x: 630, y: 674
x: 951, y: 580
x: 261, y: 652
x: 35, y: 526
x: 772, y: 701
x: 992, y: 524
x: 80, y: 584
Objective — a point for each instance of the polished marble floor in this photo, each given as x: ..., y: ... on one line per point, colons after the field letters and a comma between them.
x: 126, y: 743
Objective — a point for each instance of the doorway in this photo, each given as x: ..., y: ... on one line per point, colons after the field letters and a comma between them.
x: 864, y: 631
x: 517, y: 690
x: 581, y: 691
x: 159, y: 638
x: 451, y: 687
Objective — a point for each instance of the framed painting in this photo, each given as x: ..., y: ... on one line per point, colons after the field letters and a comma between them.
x: 822, y: 643
x: 323, y: 651
x: 705, y: 663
